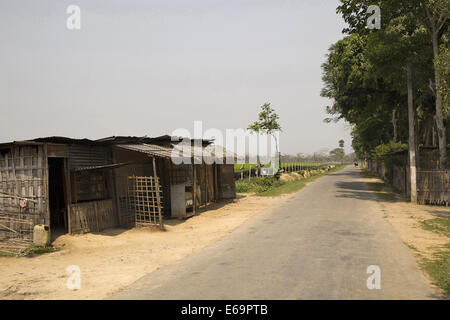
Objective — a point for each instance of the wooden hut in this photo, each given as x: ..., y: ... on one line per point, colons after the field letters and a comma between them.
x: 81, y: 185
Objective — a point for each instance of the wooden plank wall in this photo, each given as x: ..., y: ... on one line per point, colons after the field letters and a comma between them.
x: 23, y: 194
x: 227, y: 185
x: 433, y: 186
x: 92, y: 216
x: 399, y: 178
x: 210, y: 183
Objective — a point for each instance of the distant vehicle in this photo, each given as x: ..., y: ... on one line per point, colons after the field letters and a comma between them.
x: 356, y: 163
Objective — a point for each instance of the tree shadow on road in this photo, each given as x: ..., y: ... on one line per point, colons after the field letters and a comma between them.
x: 363, y: 191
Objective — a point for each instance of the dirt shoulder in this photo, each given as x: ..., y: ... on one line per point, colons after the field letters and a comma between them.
x: 421, y: 228
x: 116, y: 258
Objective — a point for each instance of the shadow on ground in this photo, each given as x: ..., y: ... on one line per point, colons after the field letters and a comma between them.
x: 361, y: 190
x: 213, y: 206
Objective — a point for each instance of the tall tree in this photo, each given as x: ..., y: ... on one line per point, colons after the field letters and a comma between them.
x: 358, y: 96
x: 267, y: 123
x: 433, y: 16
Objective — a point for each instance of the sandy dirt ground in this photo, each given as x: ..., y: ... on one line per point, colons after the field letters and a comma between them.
x: 116, y: 258
x: 406, y: 218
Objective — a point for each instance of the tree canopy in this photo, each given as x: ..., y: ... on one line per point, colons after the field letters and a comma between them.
x: 365, y: 72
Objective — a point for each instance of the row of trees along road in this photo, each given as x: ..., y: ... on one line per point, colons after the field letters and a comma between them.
x: 392, y: 84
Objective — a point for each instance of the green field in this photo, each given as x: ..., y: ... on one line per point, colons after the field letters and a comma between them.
x: 285, y: 165
x: 270, y: 186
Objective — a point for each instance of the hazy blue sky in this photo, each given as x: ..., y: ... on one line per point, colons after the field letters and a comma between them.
x: 149, y: 67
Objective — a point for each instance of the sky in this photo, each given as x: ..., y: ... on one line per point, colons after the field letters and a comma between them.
x: 150, y: 67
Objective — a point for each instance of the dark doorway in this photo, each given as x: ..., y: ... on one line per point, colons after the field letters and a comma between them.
x: 57, y: 198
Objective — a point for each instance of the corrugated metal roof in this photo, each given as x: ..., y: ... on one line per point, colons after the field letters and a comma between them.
x: 151, y: 149
x: 177, y: 151
x: 66, y: 140
x: 108, y: 166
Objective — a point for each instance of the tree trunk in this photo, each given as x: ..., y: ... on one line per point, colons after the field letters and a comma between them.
x: 394, y: 124
x: 412, y: 137
x: 442, y: 139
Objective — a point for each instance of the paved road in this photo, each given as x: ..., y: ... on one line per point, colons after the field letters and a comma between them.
x: 315, y: 245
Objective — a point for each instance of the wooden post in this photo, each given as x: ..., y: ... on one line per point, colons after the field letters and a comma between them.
x: 68, y: 194
x: 249, y: 171
x: 47, y: 219
x: 114, y: 189
x: 216, y: 186
x: 96, y: 204
x: 194, y: 188
x: 206, y: 184
x: 157, y: 193
x: 412, y: 137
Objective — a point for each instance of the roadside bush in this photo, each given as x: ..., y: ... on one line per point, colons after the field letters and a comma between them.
x: 243, y: 186
x: 382, y: 150
x: 257, y: 185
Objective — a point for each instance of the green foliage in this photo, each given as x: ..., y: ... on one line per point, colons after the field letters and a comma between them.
x: 384, y: 153
x: 294, y: 186
x: 244, y: 186
x: 382, y: 150
x: 271, y: 186
x: 6, y: 254
x: 267, y: 121
x: 33, y: 250
x: 443, y: 67
x: 257, y: 185
x: 338, y: 154
x: 365, y: 76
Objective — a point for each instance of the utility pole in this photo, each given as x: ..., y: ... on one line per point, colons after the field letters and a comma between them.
x: 412, y: 137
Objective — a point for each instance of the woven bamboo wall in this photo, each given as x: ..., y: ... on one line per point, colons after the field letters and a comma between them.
x: 23, y: 194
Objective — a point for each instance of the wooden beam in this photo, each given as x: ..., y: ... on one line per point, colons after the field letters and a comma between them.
x: 194, y: 188
x: 46, y: 188
x: 158, y: 198
x: 115, y: 195
x: 216, y: 196
x: 206, y: 184
x: 68, y: 193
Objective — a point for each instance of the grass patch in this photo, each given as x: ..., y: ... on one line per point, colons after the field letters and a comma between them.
x: 33, y: 250
x: 439, y: 270
x: 438, y: 267
x: 438, y: 225
x: 6, y: 254
x: 270, y: 186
